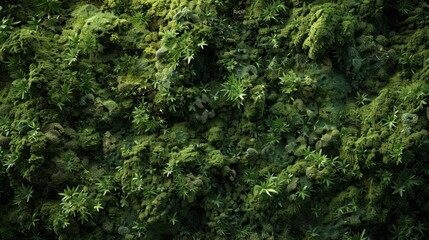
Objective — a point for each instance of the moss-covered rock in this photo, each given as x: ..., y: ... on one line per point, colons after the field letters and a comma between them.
x: 181, y: 119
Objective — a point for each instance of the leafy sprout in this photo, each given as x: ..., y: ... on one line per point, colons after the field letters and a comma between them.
x: 23, y: 194
x: 234, y: 90
x: 269, y: 186
x: 50, y: 6
x: 391, y: 120
x: 405, y: 183
x: 289, y: 83
x: 202, y: 44
x: 272, y: 11
x: 361, y: 99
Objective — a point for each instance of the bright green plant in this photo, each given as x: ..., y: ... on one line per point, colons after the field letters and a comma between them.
x: 140, y: 18
x: 269, y: 186
x: 320, y: 159
x: 234, y: 89
x: 77, y: 203
x: 137, y: 183
x: 10, y: 160
x: 88, y: 44
x: 391, y: 120
x: 104, y: 185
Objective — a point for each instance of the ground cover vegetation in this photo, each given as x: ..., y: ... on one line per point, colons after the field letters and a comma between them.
x: 214, y: 119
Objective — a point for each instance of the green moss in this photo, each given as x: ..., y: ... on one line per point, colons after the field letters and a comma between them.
x: 215, y: 135
x: 298, y: 168
x: 28, y: 41
x: 88, y: 19
x: 186, y: 155
x: 181, y: 134
x: 89, y: 138
x: 351, y: 194
x: 215, y: 158
x: 174, y: 119
x: 255, y: 109
x: 54, y: 132
x: 321, y: 27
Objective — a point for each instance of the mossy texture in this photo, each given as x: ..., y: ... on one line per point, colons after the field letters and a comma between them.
x: 192, y: 119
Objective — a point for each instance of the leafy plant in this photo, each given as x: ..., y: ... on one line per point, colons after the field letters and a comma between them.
x: 408, y: 228
x: 10, y: 160
x: 140, y: 18
x: 405, y: 183
x: 303, y: 193
x: 320, y: 159
x: 359, y: 236
x: 289, y: 84
x: 272, y: 11
x: 88, y: 44
x: 21, y: 88
x: 143, y: 122
x: 396, y: 154
x: 49, y: 6
x: 104, y: 185
x: 6, y: 26
x: 361, y: 99
x: 130, y: 111
x: 76, y: 202
x: 269, y: 186
x: 23, y: 194
x: 234, y: 90
x: 391, y: 120
x: 278, y: 125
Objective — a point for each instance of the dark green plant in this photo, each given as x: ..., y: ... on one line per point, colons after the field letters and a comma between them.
x: 404, y: 8
x: 49, y: 6
x: 62, y: 96
x: 213, y: 119
x: 408, y: 228
x: 362, y: 99
x: 278, y: 125
x: 303, y: 193
x: 23, y: 194
x: 405, y: 183
x: 21, y: 88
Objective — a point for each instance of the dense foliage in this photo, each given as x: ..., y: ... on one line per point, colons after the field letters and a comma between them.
x: 214, y: 119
